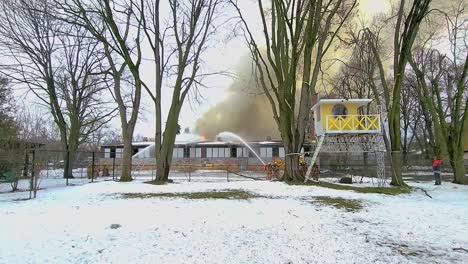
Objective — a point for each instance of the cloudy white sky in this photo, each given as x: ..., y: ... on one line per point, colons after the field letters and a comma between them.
x: 225, y: 56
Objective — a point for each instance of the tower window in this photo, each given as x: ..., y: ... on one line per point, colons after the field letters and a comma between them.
x: 339, y: 110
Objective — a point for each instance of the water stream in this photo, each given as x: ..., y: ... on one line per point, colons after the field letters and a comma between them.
x: 225, y: 136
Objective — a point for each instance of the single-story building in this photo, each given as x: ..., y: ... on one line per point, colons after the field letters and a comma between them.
x: 189, y: 146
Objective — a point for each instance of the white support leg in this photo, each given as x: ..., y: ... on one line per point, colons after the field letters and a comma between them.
x: 314, y: 157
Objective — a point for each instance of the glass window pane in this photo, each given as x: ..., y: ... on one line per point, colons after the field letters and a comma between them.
x: 281, y: 152
x: 209, y: 152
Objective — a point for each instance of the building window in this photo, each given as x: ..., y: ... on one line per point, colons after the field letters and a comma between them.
x: 227, y: 152
x: 209, y: 152
x: 198, y: 153
x: 339, y: 110
x: 118, y: 153
x: 239, y: 152
x: 192, y: 152
x: 215, y: 153
x: 135, y: 151
x: 266, y: 152
x: 233, y: 152
x: 281, y: 152
x: 243, y: 153
x: 107, y: 153
x: 178, y: 153
x: 276, y: 152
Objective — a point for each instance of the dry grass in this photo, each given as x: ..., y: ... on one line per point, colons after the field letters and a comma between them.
x: 349, y: 205
x: 380, y: 190
x: 226, y: 194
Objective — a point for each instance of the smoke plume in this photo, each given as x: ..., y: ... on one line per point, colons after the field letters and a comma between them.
x: 245, y: 111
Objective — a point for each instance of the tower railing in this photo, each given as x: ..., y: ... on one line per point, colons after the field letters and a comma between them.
x: 353, y: 124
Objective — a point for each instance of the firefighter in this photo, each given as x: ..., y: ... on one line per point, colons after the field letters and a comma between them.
x: 105, y: 170
x: 276, y: 166
x: 269, y: 170
x: 315, y: 172
x: 302, y: 167
x: 436, y: 167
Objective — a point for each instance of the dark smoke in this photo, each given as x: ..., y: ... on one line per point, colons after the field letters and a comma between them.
x: 245, y: 111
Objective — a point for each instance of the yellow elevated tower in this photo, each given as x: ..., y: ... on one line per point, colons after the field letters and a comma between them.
x: 345, y: 116
x: 346, y: 125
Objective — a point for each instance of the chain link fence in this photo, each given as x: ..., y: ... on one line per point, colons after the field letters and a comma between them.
x: 28, y: 168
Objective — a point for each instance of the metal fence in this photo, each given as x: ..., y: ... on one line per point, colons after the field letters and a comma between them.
x: 43, y: 168
x: 32, y: 169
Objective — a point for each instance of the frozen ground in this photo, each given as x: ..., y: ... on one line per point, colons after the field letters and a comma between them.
x: 73, y: 225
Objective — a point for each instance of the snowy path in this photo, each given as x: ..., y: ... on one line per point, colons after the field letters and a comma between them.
x: 72, y: 225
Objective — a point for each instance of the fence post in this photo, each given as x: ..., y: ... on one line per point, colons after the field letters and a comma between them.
x: 31, y: 185
x: 67, y: 157
x: 33, y: 173
x: 190, y: 171
x: 227, y: 173
x: 113, y: 169
x: 92, y: 170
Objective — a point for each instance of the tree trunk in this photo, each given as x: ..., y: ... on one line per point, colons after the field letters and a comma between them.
x: 458, y: 166
x: 71, y: 161
x: 291, y: 168
x: 163, y: 163
x: 127, y: 159
x: 72, y: 147
x: 395, y: 133
x: 397, y: 179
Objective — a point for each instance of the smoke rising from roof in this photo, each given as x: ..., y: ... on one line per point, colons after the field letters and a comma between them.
x: 245, y: 111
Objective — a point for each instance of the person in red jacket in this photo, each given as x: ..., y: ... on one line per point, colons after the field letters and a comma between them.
x: 436, y: 168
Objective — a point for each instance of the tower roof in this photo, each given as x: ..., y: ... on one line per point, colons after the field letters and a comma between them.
x: 363, y: 101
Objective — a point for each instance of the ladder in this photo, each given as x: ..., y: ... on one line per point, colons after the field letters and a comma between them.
x: 314, y: 157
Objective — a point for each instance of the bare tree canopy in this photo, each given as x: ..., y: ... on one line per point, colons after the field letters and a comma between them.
x: 178, y: 45
x: 406, y: 29
x: 297, y: 35
x: 60, y: 64
x: 117, y: 25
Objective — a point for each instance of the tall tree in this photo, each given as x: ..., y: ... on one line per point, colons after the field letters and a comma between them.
x: 296, y: 36
x: 117, y: 25
x: 406, y: 28
x: 58, y: 63
x: 442, y: 80
x: 178, y: 47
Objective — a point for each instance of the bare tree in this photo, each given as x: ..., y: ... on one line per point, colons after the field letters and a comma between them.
x: 297, y: 35
x: 58, y: 64
x: 104, y: 135
x: 117, y: 25
x: 410, y: 113
x: 178, y: 46
x: 406, y: 29
x: 442, y: 80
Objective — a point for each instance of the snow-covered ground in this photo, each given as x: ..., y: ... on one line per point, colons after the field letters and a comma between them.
x: 73, y: 225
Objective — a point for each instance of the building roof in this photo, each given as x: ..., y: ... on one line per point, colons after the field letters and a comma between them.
x: 234, y: 143
x: 362, y: 101
x: 181, y: 139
